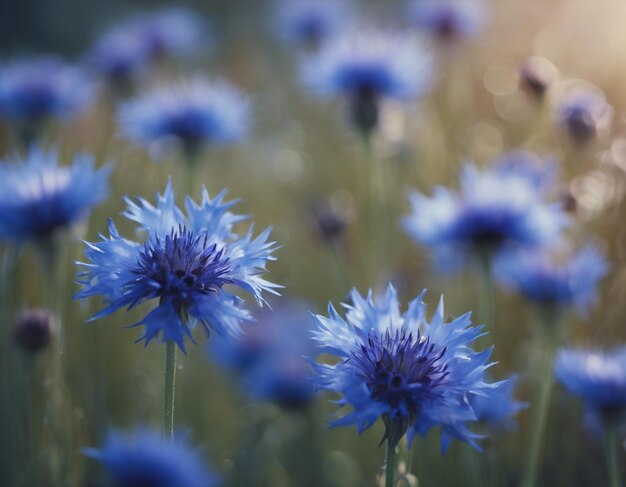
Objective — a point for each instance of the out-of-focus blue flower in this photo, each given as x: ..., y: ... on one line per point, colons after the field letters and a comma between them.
x: 35, y: 90
x: 412, y: 373
x: 189, y: 262
x: 450, y: 19
x: 193, y: 113
x: 498, y: 410
x: 367, y: 67
x: 495, y: 210
x: 310, y: 21
x: 268, y: 356
x: 170, y: 32
x: 39, y: 197
x: 596, y: 377
x: 551, y: 280
x: 581, y: 111
x: 380, y: 64
x: 119, y: 55
x: 540, y: 171
x: 146, y: 458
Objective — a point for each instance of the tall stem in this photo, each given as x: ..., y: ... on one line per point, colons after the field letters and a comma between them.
x: 488, y: 293
x: 612, y: 455
x: 169, y: 384
x: 390, y: 465
x: 550, y: 330
x: 373, y: 211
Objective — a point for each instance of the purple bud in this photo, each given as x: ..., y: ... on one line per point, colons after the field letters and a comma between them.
x: 33, y: 329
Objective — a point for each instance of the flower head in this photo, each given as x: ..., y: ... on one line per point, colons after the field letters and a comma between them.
x: 310, y: 21
x: 35, y: 90
x: 33, y: 330
x: 449, y: 19
x: 193, y: 113
x: 169, y: 32
x: 596, y: 377
x: 146, y: 458
x: 493, y: 211
x: 497, y: 411
x: 537, y: 74
x: 412, y: 373
x: 268, y: 357
x: 119, y: 55
x: 190, y: 262
x: 555, y: 281
x: 39, y: 197
x: 581, y: 112
x: 367, y: 67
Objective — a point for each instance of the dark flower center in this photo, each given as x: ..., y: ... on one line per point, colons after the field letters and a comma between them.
x: 180, y: 266
x: 401, y: 370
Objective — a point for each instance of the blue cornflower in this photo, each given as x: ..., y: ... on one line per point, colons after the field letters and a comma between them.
x: 495, y: 210
x: 538, y: 170
x: 36, y: 90
x: 310, y: 21
x: 449, y: 19
x: 169, y: 32
x: 193, y: 113
x: 498, y: 410
x: 414, y: 374
x: 553, y: 280
x: 189, y: 262
x: 268, y: 357
x: 581, y: 112
x: 147, y: 458
x: 119, y: 55
x: 367, y: 67
x: 39, y: 197
x: 596, y: 377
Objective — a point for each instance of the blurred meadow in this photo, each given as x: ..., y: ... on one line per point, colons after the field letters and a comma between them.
x: 302, y: 169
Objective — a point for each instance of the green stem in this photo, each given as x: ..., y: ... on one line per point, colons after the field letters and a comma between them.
x: 373, y: 212
x: 612, y: 455
x: 341, y: 269
x: 390, y: 466
x: 551, y: 330
x: 169, y: 385
x: 489, y: 292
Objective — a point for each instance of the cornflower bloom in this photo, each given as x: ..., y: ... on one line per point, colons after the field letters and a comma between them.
x: 268, y: 357
x: 553, y: 281
x: 37, y: 90
x: 147, y: 458
x: 39, y: 197
x: 599, y: 379
x: 193, y: 114
x: 495, y: 210
x: 449, y: 19
x: 498, y: 410
x: 367, y: 67
x: 310, y: 22
x: 119, y: 56
x: 188, y: 262
x: 412, y: 373
x: 581, y: 112
x: 168, y: 32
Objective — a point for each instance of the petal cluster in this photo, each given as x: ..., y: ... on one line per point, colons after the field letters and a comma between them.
x: 596, y: 377
x: 450, y: 19
x: 498, y: 410
x: 580, y: 112
x: 549, y: 281
x: 145, y: 457
x: 412, y: 373
x: 192, y: 113
x: 494, y: 210
x: 310, y: 21
x: 268, y: 356
x: 373, y: 63
x: 40, y: 88
x: 191, y: 263
x: 38, y: 196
